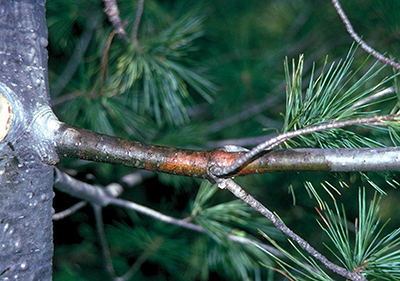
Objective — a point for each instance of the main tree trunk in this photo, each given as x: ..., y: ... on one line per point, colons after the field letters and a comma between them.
x: 26, y: 158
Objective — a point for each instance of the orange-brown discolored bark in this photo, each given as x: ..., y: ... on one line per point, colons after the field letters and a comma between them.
x: 84, y: 144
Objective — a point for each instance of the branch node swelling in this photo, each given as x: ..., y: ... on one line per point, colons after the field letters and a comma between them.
x: 19, y: 124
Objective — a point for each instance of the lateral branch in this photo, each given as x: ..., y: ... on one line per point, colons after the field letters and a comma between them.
x: 72, y: 142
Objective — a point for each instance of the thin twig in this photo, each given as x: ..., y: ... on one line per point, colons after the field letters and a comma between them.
x: 136, y: 24
x: 250, y: 141
x: 112, y: 12
x: 237, y: 190
x: 249, y: 110
x: 74, y: 61
x: 154, y: 214
x: 185, y: 224
x: 281, y: 272
x: 136, y: 178
x: 81, y: 190
x: 90, y: 192
x: 69, y: 211
x: 142, y: 259
x: 269, y: 144
x: 103, y: 241
x: 358, y: 39
x: 104, y: 59
x: 376, y: 96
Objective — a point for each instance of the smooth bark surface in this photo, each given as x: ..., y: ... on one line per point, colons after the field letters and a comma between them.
x: 26, y: 158
x: 84, y: 144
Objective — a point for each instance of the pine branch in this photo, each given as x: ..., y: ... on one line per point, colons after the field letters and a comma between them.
x: 216, y: 164
x: 112, y: 12
x: 74, y: 61
x: 358, y: 39
x: 81, y: 190
x: 248, y: 111
x: 223, y: 162
x: 136, y: 23
x: 237, y: 190
x: 249, y: 141
x: 141, y: 259
x: 374, y: 97
x: 372, y: 251
x: 71, y: 210
x: 268, y: 145
x: 97, y: 209
x: 185, y: 224
x: 97, y: 195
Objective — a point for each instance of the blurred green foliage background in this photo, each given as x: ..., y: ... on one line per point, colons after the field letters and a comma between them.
x: 208, y: 73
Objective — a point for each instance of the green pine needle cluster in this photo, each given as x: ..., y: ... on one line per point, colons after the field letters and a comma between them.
x: 298, y: 266
x: 221, y: 219
x: 331, y: 96
x: 188, y: 255
x: 373, y: 252
x: 363, y: 246
x: 337, y: 93
x: 161, y: 75
x: 124, y: 87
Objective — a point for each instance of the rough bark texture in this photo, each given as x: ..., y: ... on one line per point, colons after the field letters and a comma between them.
x: 26, y: 173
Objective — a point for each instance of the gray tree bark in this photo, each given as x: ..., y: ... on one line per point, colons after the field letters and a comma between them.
x: 26, y: 158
